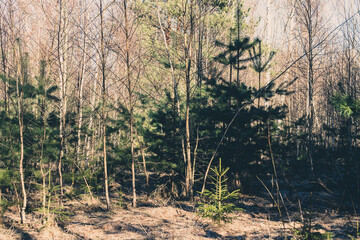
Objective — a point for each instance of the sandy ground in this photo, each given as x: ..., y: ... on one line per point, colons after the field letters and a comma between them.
x: 163, y: 220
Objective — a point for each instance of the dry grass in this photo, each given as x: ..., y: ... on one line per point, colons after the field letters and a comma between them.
x: 8, y: 233
x: 53, y: 232
x: 86, y: 199
x: 156, y: 219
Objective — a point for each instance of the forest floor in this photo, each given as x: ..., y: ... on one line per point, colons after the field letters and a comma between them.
x: 161, y: 219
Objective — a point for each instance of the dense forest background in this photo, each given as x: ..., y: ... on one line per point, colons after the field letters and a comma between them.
x: 103, y: 97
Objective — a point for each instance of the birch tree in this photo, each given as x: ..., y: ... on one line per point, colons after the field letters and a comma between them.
x: 103, y: 77
x: 310, y: 34
x: 62, y: 48
x: 21, y: 78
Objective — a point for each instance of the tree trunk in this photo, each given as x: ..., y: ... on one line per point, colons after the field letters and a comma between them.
x: 310, y: 108
x: 62, y: 52
x: 188, y: 47
x: 20, y: 81
x: 80, y: 89
x: 128, y: 73
x: 3, y: 63
x: 41, y: 156
x: 145, y: 171
x: 104, y: 104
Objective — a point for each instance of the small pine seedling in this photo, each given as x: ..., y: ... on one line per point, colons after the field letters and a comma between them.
x: 216, y: 207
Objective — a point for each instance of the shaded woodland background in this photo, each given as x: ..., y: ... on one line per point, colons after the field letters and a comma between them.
x: 143, y: 97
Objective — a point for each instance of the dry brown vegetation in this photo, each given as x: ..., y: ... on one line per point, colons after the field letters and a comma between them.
x: 169, y: 219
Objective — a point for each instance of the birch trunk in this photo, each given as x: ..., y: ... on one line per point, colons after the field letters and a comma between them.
x: 62, y: 52
x: 19, y: 83
x: 104, y: 103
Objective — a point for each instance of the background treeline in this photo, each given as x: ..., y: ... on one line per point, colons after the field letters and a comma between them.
x: 147, y: 94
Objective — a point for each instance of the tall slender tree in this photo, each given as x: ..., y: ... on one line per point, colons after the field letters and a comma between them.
x: 62, y: 47
x: 131, y: 102
x: 21, y: 78
x: 103, y: 76
x: 310, y: 31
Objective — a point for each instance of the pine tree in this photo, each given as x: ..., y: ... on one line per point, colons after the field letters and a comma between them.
x: 216, y: 206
